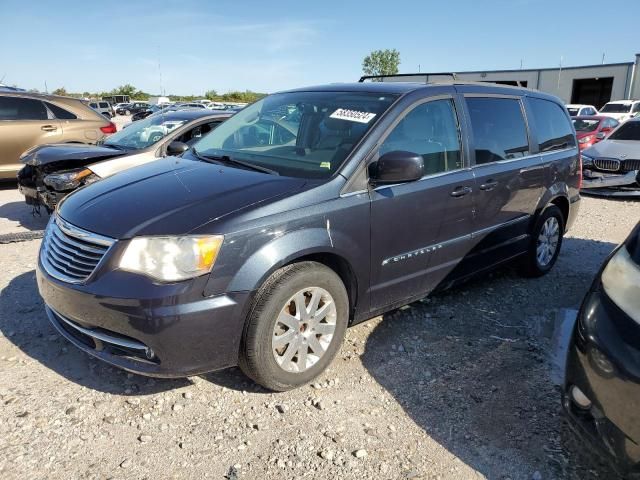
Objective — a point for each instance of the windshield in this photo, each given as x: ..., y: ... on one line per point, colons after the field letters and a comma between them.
x: 573, y: 111
x: 143, y: 133
x: 585, y: 125
x: 298, y: 134
x: 627, y: 131
x: 616, y: 108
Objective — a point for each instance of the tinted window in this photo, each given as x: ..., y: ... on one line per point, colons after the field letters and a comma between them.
x: 628, y: 131
x: 431, y: 130
x: 93, y: 105
x: 104, y: 105
x: 585, y: 125
x: 573, y: 111
x: 553, y: 127
x: 15, y: 108
x: 499, y: 129
x: 636, y: 107
x: 60, y: 113
x: 616, y: 108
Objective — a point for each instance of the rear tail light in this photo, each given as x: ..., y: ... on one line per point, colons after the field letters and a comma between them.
x: 111, y: 128
x: 579, y: 170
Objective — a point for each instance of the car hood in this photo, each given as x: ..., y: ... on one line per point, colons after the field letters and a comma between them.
x: 171, y: 196
x: 45, y: 154
x: 615, y: 149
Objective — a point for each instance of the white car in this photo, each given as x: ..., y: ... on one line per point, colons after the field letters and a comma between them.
x: 577, y: 110
x: 621, y: 110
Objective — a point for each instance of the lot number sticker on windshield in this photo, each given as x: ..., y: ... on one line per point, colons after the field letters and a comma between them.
x: 352, y: 115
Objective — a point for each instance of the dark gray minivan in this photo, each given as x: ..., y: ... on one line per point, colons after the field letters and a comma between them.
x: 306, y: 212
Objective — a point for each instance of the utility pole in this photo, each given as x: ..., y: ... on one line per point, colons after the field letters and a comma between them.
x: 602, y: 58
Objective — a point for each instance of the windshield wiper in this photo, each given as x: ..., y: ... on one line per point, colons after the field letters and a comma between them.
x: 234, y: 161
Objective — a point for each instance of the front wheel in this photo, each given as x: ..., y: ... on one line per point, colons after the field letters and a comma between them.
x: 296, y: 326
x: 546, y: 241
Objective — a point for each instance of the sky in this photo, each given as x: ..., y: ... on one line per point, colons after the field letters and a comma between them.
x: 187, y: 47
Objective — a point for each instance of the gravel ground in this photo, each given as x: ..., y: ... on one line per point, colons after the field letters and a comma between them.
x: 461, y: 385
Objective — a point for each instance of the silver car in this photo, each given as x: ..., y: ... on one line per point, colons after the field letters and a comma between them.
x: 611, y: 167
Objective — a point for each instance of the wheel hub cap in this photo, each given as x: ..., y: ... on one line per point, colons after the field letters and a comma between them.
x: 547, y: 243
x: 304, y: 329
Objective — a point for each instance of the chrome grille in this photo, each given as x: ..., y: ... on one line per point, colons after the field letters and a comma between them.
x: 630, y: 165
x: 71, y: 254
x: 610, y: 165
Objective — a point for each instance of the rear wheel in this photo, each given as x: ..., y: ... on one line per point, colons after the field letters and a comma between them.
x: 546, y: 241
x: 296, y: 326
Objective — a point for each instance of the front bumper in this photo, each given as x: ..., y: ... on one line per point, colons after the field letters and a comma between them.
x: 604, y: 363
x: 33, y: 196
x: 611, y: 184
x: 168, y: 330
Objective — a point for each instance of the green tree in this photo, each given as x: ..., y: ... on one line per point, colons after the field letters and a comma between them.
x: 60, y: 91
x: 211, y: 95
x: 381, y: 62
x: 126, y: 89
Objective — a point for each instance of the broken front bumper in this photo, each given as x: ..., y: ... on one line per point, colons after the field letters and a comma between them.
x: 611, y: 184
x: 33, y: 196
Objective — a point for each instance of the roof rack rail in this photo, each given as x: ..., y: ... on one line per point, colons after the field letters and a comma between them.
x: 425, y: 74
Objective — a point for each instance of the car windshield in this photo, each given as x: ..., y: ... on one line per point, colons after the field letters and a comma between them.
x: 298, y: 134
x: 582, y: 125
x: 627, y: 131
x: 616, y: 108
x: 143, y: 133
x: 573, y: 111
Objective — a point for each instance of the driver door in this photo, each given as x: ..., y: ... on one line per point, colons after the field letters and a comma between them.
x: 412, y: 221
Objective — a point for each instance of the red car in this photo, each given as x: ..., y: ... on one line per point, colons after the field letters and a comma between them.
x: 593, y: 128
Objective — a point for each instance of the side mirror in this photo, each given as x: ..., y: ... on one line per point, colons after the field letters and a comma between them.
x: 601, y: 136
x: 177, y: 148
x: 396, y: 167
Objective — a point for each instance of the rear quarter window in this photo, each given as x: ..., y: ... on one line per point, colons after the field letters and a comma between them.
x: 552, y: 125
x: 60, y: 112
x: 499, y: 129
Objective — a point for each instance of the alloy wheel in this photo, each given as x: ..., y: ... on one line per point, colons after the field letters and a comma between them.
x: 548, y: 241
x: 304, y: 329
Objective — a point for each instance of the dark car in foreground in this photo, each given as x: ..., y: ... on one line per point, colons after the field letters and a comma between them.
x: 307, y: 212
x: 53, y: 171
x: 602, y: 387
x: 611, y: 167
x: 592, y: 129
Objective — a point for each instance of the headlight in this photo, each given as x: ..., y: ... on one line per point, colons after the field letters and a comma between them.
x: 67, y: 180
x: 170, y: 259
x: 621, y: 281
x: 586, y: 139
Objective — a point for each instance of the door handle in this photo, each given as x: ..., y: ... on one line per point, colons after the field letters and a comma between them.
x: 49, y: 128
x: 461, y: 192
x: 490, y: 185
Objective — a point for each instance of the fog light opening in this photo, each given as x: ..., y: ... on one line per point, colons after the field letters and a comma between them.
x: 150, y: 354
x: 580, y: 399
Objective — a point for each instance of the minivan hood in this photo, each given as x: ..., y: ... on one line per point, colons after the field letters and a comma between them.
x: 614, y: 149
x: 171, y: 196
x: 57, y: 152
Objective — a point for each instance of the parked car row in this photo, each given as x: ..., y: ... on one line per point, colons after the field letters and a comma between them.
x: 53, y: 171
x: 620, y: 110
x: 31, y: 119
x: 257, y: 239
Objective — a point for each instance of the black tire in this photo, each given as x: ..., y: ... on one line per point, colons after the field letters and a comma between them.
x: 256, y: 357
x: 531, y: 266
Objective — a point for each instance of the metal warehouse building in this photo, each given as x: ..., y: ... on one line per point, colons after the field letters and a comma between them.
x: 590, y: 84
